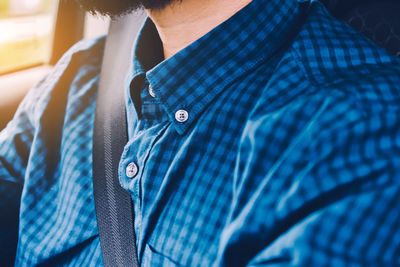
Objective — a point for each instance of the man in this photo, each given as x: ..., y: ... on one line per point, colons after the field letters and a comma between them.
x: 260, y: 133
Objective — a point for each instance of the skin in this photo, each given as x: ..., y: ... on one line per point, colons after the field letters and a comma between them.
x: 179, y: 22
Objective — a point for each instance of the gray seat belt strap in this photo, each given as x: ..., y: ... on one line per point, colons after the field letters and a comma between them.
x: 114, y: 209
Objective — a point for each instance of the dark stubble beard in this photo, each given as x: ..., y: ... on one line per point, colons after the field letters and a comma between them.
x: 116, y: 8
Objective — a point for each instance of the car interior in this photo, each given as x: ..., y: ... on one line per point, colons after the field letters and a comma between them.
x: 66, y: 24
x: 34, y: 35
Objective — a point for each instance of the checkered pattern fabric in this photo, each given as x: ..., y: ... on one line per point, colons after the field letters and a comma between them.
x: 289, y: 153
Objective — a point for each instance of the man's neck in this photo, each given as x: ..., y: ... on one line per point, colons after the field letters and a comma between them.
x: 184, y: 21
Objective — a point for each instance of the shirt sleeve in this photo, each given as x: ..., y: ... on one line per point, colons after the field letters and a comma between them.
x: 15, y: 143
x: 330, y: 197
x: 34, y: 130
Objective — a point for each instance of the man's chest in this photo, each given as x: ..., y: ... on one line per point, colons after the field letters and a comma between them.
x: 182, y: 188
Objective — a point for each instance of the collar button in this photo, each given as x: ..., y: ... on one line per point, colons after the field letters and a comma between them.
x: 181, y: 115
x: 151, y: 91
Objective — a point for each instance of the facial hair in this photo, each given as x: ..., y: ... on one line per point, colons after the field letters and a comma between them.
x: 116, y: 8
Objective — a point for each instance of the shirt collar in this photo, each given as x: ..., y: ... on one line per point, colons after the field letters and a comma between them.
x: 193, y: 77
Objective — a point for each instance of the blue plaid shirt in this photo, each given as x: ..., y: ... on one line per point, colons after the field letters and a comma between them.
x: 272, y: 140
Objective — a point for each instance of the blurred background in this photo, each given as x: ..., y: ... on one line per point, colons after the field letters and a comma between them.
x: 27, y: 31
x: 33, y: 36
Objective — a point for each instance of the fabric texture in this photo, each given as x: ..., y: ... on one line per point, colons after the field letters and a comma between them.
x: 289, y: 154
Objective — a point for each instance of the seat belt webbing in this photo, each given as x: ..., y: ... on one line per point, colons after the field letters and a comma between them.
x: 114, y: 209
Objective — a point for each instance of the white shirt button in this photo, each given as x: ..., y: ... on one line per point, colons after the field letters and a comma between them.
x: 151, y: 91
x: 181, y: 115
x: 131, y: 170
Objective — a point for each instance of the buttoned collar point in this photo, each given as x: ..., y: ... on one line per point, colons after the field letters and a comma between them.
x: 193, y: 77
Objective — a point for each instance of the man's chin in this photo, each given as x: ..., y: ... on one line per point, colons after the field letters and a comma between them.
x: 116, y: 8
x: 109, y: 8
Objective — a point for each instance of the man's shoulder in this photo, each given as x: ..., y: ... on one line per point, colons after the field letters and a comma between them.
x: 328, y: 60
x: 328, y: 51
x: 93, y: 47
x: 80, y: 65
x: 331, y: 82
x: 84, y: 55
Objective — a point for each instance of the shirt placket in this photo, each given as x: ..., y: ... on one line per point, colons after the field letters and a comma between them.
x: 132, y: 168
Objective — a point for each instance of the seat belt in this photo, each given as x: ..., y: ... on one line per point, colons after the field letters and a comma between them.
x: 114, y: 209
